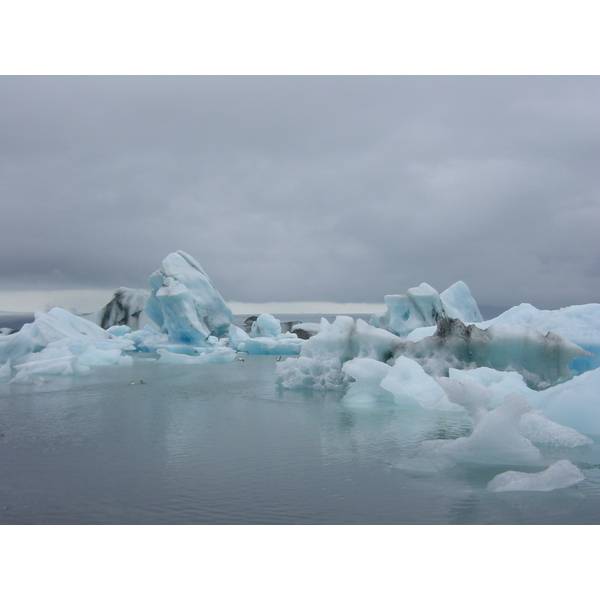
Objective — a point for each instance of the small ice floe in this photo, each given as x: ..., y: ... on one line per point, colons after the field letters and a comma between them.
x: 560, y: 475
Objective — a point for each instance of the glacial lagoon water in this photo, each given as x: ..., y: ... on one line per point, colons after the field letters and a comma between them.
x: 222, y: 444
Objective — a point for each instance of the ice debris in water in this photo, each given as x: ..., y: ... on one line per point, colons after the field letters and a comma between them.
x: 560, y: 475
x: 495, y: 439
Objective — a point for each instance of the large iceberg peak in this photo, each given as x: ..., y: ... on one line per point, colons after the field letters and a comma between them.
x: 185, y: 303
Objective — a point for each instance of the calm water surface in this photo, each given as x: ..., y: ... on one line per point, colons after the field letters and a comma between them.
x: 222, y: 444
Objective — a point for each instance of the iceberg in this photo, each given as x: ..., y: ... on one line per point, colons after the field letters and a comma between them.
x: 282, y: 344
x: 367, y: 374
x: 542, y: 360
x: 560, y: 475
x: 574, y: 403
x: 125, y: 308
x: 542, y: 431
x: 418, y: 307
x: 572, y: 408
x: 579, y: 324
x: 211, y: 355
x: 458, y: 303
x: 408, y: 382
x: 496, y: 439
x: 266, y: 326
x: 55, y: 325
x: 69, y: 357
x: 185, y: 304
x: 322, y: 356
x: 422, y: 306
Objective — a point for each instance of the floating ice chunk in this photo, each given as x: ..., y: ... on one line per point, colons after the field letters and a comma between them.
x: 125, y: 308
x: 148, y: 340
x: 458, y: 303
x: 119, y: 330
x: 219, y: 354
x: 477, y: 399
x: 541, y: 359
x: 367, y: 341
x: 285, y: 344
x: 540, y: 430
x: 70, y: 357
x: 422, y: 306
x: 574, y: 403
x: 560, y: 475
x: 578, y: 324
x: 471, y: 396
x: 496, y: 439
x: 184, y: 303
x: 266, y: 326
x: 408, y: 382
x: 418, y: 307
x: 322, y: 356
x: 367, y: 374
x: 57, y: 324
x: 63, y: 365
x: 305, y: 372
x: 500, y: 383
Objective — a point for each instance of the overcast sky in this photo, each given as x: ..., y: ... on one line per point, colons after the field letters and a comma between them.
x: 326, y: 188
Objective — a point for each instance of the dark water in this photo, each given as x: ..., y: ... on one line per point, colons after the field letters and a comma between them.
x: 221, y: 444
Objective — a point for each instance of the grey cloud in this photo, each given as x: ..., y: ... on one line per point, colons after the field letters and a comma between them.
x: 305, y: 188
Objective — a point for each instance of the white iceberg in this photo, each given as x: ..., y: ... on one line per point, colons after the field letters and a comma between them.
x: 496, y: 439
x: 265, y: 326
x: 57, y: 324
x: 71, y: 357
x: 281, y: 344
x: 322, y: 356
x: 422, y: 306
x: 574, y: 403
x: 408, y: 383
x: 560, y: 475
x: 542, y: 431
x: 367, y: 374
x: 204, y: 356
x: 185, y: 304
